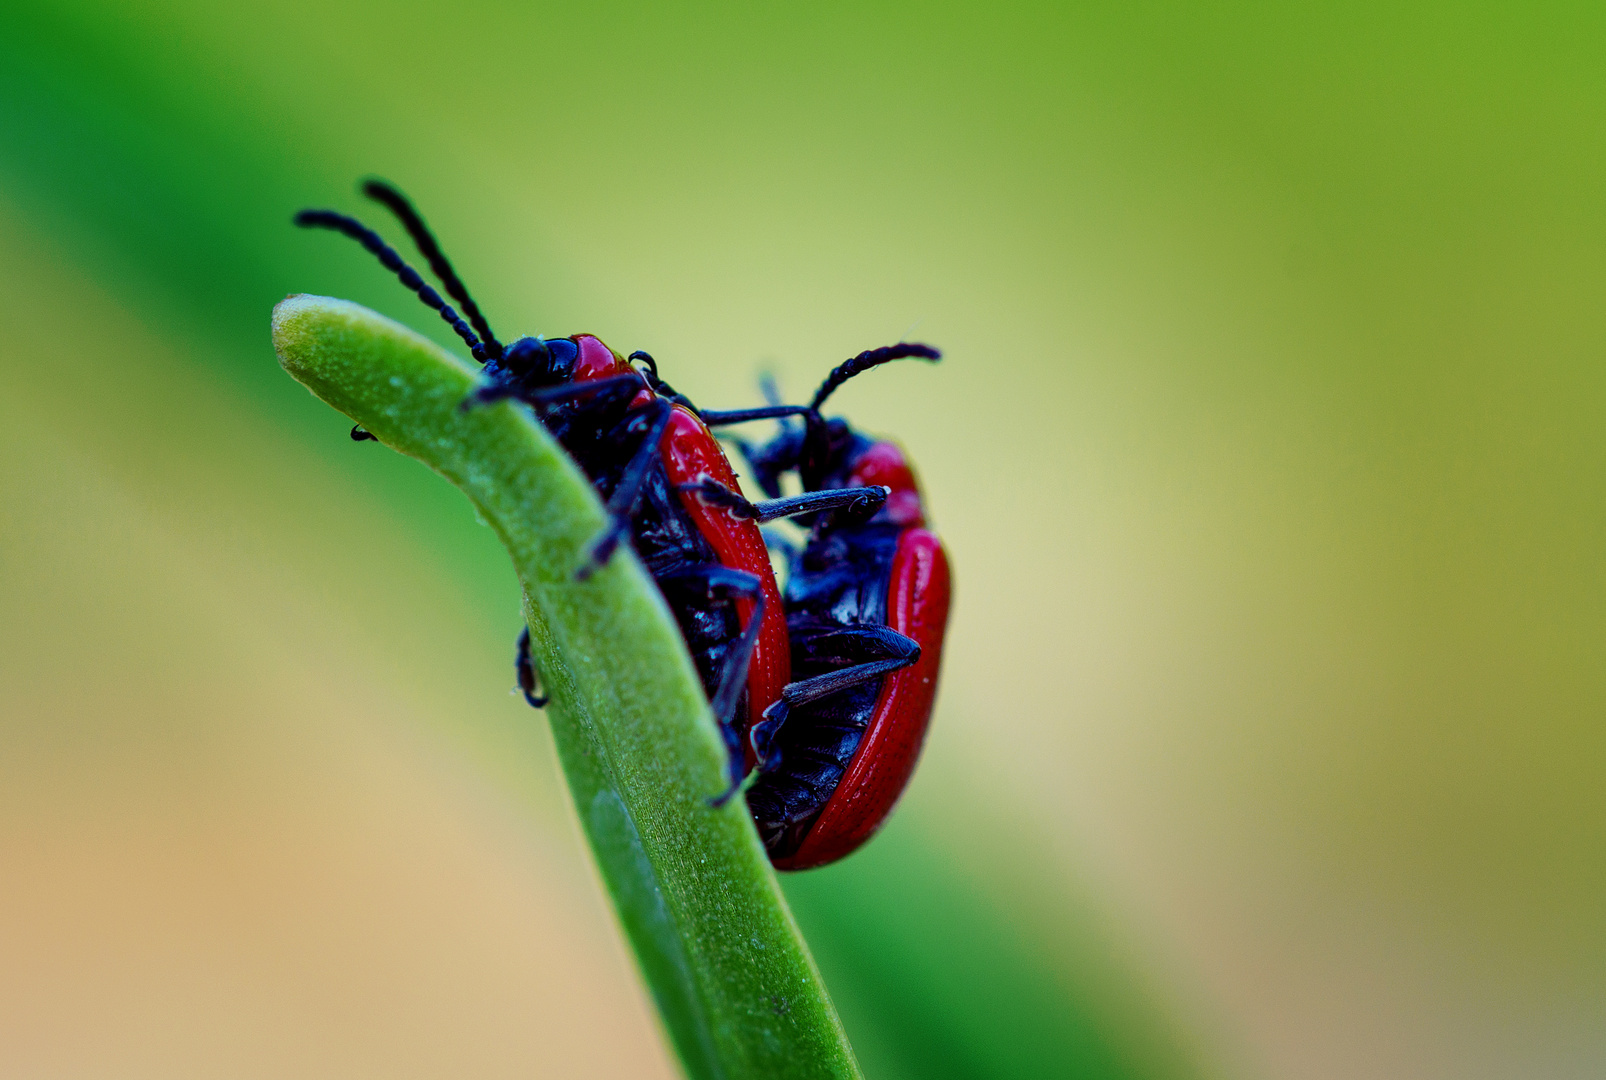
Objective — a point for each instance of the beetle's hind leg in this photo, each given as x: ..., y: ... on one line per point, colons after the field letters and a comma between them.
x: 861, y: 653
x: 714, y: 581
x: 529, y: 681
x: 627, y: 494
x: 860, y: 503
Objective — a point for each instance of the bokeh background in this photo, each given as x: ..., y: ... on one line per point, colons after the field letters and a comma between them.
x: 1270, y: 447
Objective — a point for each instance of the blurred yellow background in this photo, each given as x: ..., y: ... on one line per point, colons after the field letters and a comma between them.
x: 1270, y: 448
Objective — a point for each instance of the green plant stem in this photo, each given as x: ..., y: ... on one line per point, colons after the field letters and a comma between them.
x: 732, y: 979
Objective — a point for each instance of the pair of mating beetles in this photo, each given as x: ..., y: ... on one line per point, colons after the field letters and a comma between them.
x: 827, y: 693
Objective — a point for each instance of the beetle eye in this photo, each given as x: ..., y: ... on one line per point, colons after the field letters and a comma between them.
x: 564, y: 353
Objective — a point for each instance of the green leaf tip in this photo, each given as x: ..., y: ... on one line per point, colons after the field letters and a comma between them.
x: 735, y: 987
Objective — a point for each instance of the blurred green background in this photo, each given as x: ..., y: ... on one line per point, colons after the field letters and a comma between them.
x: 1270, y: 448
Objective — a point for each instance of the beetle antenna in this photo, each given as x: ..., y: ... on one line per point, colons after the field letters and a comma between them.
x: 350, y: 226
x: 771, y: 389
x: 383, y: 192
x: 870, y: 358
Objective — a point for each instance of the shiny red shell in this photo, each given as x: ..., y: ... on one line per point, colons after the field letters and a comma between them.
x: 918, y: 593
x: 597, y: 361
x: 691, y: 453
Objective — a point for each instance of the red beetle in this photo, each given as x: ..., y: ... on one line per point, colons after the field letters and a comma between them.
x: 642, y: 445
x: 867, y: 609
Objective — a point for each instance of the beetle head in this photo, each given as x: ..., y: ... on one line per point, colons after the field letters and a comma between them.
x: 536, y: 362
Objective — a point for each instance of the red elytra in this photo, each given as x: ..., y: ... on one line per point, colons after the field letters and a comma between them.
x: 598, y: 361
x: 691, y: 453
x: 883, y: 465
x: 917, y: 606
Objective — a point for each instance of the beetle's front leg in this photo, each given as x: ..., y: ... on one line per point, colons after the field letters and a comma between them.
x: 529, y: 680
x: 714, y: 581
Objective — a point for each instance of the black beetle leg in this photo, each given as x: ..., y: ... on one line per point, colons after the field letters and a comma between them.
x: 716, y: 581
x: 890, y: 651
x: 529, y: 681
x: 714, y: 493
x: 774, y: 410
x: 722, y: 417
x: 861, y: 502
x: 625, y: 496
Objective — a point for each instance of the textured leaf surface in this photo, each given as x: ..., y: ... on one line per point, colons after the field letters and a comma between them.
x: 731, y: 977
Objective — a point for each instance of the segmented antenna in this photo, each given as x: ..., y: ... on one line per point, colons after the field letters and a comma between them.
x: 382, y: 192
x: 866, y: 360
x: 350, y: 226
